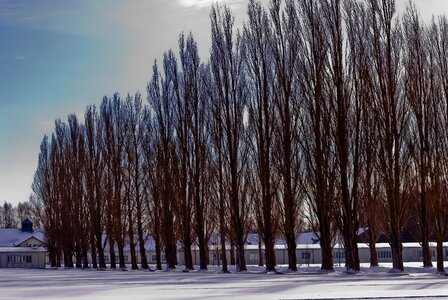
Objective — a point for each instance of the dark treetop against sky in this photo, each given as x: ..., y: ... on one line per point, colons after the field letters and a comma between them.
x: 58, y: 56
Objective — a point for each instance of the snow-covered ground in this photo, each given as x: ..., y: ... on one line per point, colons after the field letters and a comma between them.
x: 308, y: 283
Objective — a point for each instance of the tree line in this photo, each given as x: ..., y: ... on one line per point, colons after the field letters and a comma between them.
x: 11, y: 217
x: 324, y: 114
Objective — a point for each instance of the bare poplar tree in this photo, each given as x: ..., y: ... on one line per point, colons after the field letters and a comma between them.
x: 24, y: 210
x: 181, y: 106
x: 258, y: 57
x: 286, y: 45
x: 221, y: 180
x: 107, y: 142
x: 364, y: 140
x: 43, y: 188
x: 93, y: 189
x: 133, y: 178
x: 418, y: 96
x: 391, y: 113
x: 62, y: 159
x: 320, y: 168
x: 151, y: 182
x: 190, y: 128
x: 37, y: 209
x: 438, y: 93
x: 139, y: 132
x: 346, y: 119
x: 117, y: 149
x: 8, y: 217
x: 228, y: 75
x: 159, y: 93
x: 76, y: 162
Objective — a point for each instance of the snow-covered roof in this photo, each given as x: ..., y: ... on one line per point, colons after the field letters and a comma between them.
x: 150, y: 243
x: 309, y: 237
x: 304, y: 241
x: 11, y: 237
x: 304, y: 238
x: 21, y: 249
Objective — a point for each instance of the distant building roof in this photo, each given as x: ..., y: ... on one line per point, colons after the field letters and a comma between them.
x: 11, y: 237
x: 407, y: 236
x: 309, y: 237
x: 150, y: 244
x: 21, y: 249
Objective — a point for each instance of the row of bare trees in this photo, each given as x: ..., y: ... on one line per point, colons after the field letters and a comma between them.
x: 12, y: 217
x: 328, y: 113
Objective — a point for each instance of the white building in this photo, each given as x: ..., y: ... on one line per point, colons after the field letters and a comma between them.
x: 22, y: 248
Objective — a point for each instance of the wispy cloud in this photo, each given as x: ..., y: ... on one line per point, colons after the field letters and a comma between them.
x: 66, y: 17
x: 195, y: 3
x: 19, y: 57
x: 208, y: 3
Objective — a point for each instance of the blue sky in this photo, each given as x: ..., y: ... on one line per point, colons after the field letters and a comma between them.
x: 58, y: 56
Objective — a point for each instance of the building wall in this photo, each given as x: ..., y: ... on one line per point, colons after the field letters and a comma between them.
x: 150, y: 256
x: 31, y: 242
x: 313, y: 255
x: 22, y: 259
x: 306, y: 255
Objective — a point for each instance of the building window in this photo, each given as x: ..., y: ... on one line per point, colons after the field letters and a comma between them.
x: 385, y: 254
x: 339, y: 255
x: 126, y: 258
x: 306, y: 255
x: 252, y: 256
x: 433, y: 253
x: 154, y: 258
x: 19, y: 259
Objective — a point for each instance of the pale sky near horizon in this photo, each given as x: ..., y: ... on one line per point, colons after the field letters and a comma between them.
x: 58, y: 56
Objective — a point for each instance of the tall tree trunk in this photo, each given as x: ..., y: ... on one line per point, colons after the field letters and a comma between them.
x: 223, y: 252
x: 188, y: 257
x: 93, y: 251
x: 326, y: 246
x: 99, y: 249
x: 373, y: 255
x: 121, y: 257
x: 327, y: 255
x: 260, y: 255
x: 85, y: 260
x: 397, y: 250
x: 158, y: 249
x: 131, y: 234
x: 292, y: 257
x: 440, y: 256
x: 232, y: 254
x: 141, y: 243
x: 78, y: 255
x: 113, y: 257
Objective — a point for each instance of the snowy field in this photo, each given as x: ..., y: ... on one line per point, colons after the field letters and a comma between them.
x: 308, y: 283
